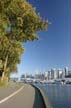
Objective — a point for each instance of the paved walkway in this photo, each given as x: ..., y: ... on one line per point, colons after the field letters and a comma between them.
x: 28, y: 97
x: 7, y: 90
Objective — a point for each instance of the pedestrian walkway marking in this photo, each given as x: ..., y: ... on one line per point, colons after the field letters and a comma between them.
x: 5, y: 99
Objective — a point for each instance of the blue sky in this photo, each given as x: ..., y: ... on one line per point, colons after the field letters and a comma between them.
x: 53, y: 49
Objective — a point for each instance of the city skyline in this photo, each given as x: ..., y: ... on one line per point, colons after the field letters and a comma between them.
x: 64, y: 71
x: 53, y: 49
x: 53, y: 74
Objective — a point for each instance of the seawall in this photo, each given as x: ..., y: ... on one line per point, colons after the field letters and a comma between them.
x: 44, y: 98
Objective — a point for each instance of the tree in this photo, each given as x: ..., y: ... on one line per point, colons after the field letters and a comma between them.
x: 18, y: 23
x: 10, y: 55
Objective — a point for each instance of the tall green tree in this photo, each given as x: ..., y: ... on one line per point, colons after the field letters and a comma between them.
x: 18, y: 23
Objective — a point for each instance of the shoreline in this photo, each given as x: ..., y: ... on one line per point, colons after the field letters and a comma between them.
x: 34, y: 96
x: 45, y: 100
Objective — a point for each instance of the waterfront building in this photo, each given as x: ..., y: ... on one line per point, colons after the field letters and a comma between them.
x: 55, y: 74
x: 63, y: 73
x: 22, y: 76
x: 46, y: 75
x: 66, y: 71
x: 40, y: 76
x: 52, y: 73
x: 60, y: 73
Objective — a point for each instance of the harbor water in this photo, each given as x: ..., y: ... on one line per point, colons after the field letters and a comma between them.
x: 58, y: 95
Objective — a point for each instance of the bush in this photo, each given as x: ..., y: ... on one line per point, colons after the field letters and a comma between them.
x: 4, y: 82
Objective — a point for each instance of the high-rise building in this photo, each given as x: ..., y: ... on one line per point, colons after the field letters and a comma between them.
x: 52, y: 74
x: 55, y: 74
x: 63, y: 73
x: 46, y: 75
x: 66, y: 71
x: 49, y: 75
x: 60, y: 73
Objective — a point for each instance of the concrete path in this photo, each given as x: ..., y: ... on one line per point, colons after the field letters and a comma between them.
x: 28, y: 97
x: 7, y: 90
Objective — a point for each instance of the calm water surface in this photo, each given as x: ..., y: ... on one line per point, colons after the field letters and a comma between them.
x: 59, y: 95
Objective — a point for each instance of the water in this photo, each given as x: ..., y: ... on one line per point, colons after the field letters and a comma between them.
x: 59, y: 95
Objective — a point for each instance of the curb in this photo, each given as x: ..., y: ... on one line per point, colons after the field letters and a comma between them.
x: 43, y: 96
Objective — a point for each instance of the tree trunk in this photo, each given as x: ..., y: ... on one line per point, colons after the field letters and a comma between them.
x: 4, y: 70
